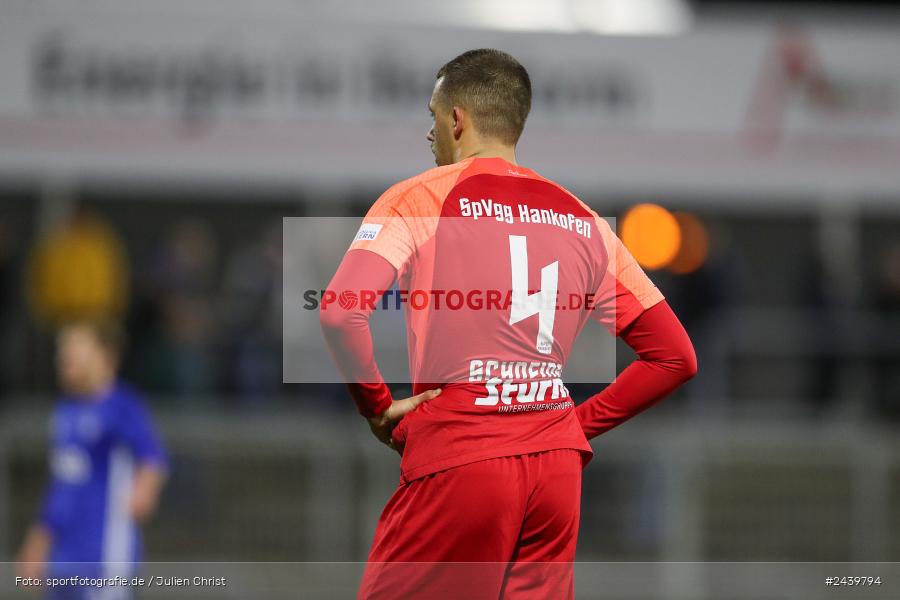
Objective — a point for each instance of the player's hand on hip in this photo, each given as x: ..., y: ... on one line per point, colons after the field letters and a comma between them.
x: 384, y: 424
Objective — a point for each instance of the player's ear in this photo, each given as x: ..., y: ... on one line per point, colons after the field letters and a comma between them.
x: 458, y: 115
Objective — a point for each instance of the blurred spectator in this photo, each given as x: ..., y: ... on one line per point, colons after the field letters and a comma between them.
x: 9, y: 288
x: 251, y: 315
x: 824, y: 308
x: 702, y: 298
x: 885, y: 346
x: 79, y: 270
x: 173, y: 319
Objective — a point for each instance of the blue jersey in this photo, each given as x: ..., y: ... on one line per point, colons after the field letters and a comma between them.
x: 96, y: 444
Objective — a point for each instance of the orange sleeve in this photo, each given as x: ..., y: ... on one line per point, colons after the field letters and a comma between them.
x: 406, y: 215
x: 625, y: 291
x: 386, y: 232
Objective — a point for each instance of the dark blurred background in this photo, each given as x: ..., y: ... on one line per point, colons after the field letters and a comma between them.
x: 149, y: 154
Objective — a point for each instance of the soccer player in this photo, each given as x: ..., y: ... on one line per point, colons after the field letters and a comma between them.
x: 107, y: 470
x: 491, y: 444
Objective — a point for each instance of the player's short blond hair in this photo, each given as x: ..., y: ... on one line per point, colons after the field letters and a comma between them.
x: 493, y: 86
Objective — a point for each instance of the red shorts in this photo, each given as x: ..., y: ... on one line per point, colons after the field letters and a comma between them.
x: 497, y: 528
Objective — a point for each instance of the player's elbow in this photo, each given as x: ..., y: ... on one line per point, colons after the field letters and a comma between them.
x: 680, y: 362
x: 689, y: 364
x: 685, y: 357
x: 332, y: 318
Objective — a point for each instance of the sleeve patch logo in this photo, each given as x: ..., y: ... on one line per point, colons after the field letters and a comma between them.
x: 368, y: 232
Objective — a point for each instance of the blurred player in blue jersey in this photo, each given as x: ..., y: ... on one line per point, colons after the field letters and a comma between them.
x: 107, y: 468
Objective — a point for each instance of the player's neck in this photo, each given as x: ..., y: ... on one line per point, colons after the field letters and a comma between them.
x: 99, y: 386
x: 483, y: 149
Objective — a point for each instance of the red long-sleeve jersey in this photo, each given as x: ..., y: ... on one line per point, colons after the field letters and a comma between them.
x: 489, y: 248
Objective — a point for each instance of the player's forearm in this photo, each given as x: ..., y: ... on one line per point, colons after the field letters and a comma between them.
x: 666, y: 360
x: 640, y: 386
x: 350, y: 342
x: 346, y: 330
x: 149, y: 481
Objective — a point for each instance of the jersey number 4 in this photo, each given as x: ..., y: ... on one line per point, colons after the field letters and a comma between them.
x: 542, y: 302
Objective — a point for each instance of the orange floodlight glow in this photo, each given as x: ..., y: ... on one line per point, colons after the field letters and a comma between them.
x: 651, y: 234
x: 694, y: 249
